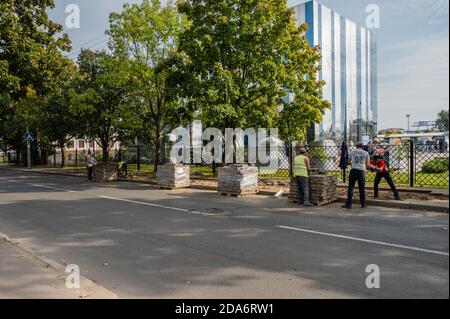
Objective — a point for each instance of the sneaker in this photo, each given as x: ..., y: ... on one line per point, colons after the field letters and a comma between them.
x: 346, y: 206
x: 308, y: 204
x: 397, y: 197
x: 376, y: 196
x: 363, y: 205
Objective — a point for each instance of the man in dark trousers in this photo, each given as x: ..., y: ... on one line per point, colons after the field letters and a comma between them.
x: 383, y: 172
x: 91, y: 162
x: 360, y: 161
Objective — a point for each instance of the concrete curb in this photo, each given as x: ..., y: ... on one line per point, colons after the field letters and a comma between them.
x: 85, y: 282
x: 400, y: 205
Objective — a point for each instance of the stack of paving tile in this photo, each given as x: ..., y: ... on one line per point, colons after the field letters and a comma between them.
x: 172, y: 176
x: 238, y: 180
x: 322, y: 189
x: 104, y: 172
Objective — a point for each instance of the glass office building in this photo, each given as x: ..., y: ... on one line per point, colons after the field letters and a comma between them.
x: 349, y: 68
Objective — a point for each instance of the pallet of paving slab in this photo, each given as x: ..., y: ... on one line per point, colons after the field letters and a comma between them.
x: 325, y: 202
x: 173, y: 176
x: 173, y: 187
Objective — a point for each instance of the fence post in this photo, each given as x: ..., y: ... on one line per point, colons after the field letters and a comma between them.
x: 138, y: 158
x: 76, y: 156
x: 411, y: 163
x: 291, y: 160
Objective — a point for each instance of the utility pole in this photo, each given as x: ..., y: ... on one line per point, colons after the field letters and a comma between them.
x: 28, y: 139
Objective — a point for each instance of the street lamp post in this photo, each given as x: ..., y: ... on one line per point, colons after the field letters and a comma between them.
x: 408, y: 116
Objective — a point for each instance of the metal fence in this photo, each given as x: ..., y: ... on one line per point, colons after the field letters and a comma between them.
x: 409, y: 164
x: 9, y: 158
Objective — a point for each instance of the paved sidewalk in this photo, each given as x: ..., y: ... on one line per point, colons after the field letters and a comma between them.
x: 26, y: 276
x: 439, y: 206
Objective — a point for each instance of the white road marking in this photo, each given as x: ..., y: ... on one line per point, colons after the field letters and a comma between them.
x: 366, y: 241
x: 10, y: 180
x: 120, y: 199
x: 39, y: 185
x: 156, y: 205
x: 51, y: 187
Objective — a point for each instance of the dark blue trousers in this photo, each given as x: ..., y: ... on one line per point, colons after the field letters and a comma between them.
x: 357, y: 176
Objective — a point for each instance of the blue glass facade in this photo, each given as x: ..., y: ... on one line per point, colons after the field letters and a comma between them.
x: 349, y: 68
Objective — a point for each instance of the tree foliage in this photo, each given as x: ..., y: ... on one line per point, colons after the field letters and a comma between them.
x: 146, y: 36
x: 243, y: 57
x: 100, y: 99
x: 31, y: 61
x: 30, y: 47
x: 442, y: 121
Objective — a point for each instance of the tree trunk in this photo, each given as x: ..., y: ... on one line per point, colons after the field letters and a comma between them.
x: 158, y: 153
x: 105, y: 152
x: 63, y: 158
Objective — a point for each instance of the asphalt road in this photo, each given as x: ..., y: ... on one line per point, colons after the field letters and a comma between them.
x: 142, y: 242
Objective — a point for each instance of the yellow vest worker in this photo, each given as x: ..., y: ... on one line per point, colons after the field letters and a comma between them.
x: 301, y: 166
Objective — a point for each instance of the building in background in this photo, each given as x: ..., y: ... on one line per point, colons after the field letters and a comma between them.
x: 349, y: 68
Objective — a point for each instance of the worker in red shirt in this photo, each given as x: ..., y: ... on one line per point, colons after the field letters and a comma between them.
x: 383, y: 172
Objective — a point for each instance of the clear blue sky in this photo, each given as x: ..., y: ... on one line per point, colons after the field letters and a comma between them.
x: 413, y: 50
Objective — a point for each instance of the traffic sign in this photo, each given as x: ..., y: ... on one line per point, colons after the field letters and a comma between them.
x: 29, y: 137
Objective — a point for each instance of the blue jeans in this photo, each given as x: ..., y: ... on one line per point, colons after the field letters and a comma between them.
x: 359, y: 176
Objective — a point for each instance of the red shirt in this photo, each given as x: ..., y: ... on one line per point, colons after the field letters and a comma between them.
x: 381, y: 164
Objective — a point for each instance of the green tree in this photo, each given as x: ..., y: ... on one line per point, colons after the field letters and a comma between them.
x: 100, y: 99
x: 242, y: 58
x: 146, y: 35
x: 30, y: 46
x: 442, y: 121
x: 31, y: 58
x: 58, y: 120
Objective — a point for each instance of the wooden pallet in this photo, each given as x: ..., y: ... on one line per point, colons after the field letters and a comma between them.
x: 172, y: 188
x: 167, y: 188
x: 317, y: 204
x: 234, y: 194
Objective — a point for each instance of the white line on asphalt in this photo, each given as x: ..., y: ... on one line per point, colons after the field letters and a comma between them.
x: 366, y: 241
x: 155, y: 205
x: 144, y: 203
x: 51, y: 187
x: 39, y: 185
x: 10, y: 180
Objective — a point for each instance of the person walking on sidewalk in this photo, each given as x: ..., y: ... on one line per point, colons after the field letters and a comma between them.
x: 360, y: 162
x: 383, y: 172
x: 91, y: 162
x: 301, y: 168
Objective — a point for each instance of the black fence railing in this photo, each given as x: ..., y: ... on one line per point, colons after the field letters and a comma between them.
x: 409, y: 164
x: 9, y: 158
